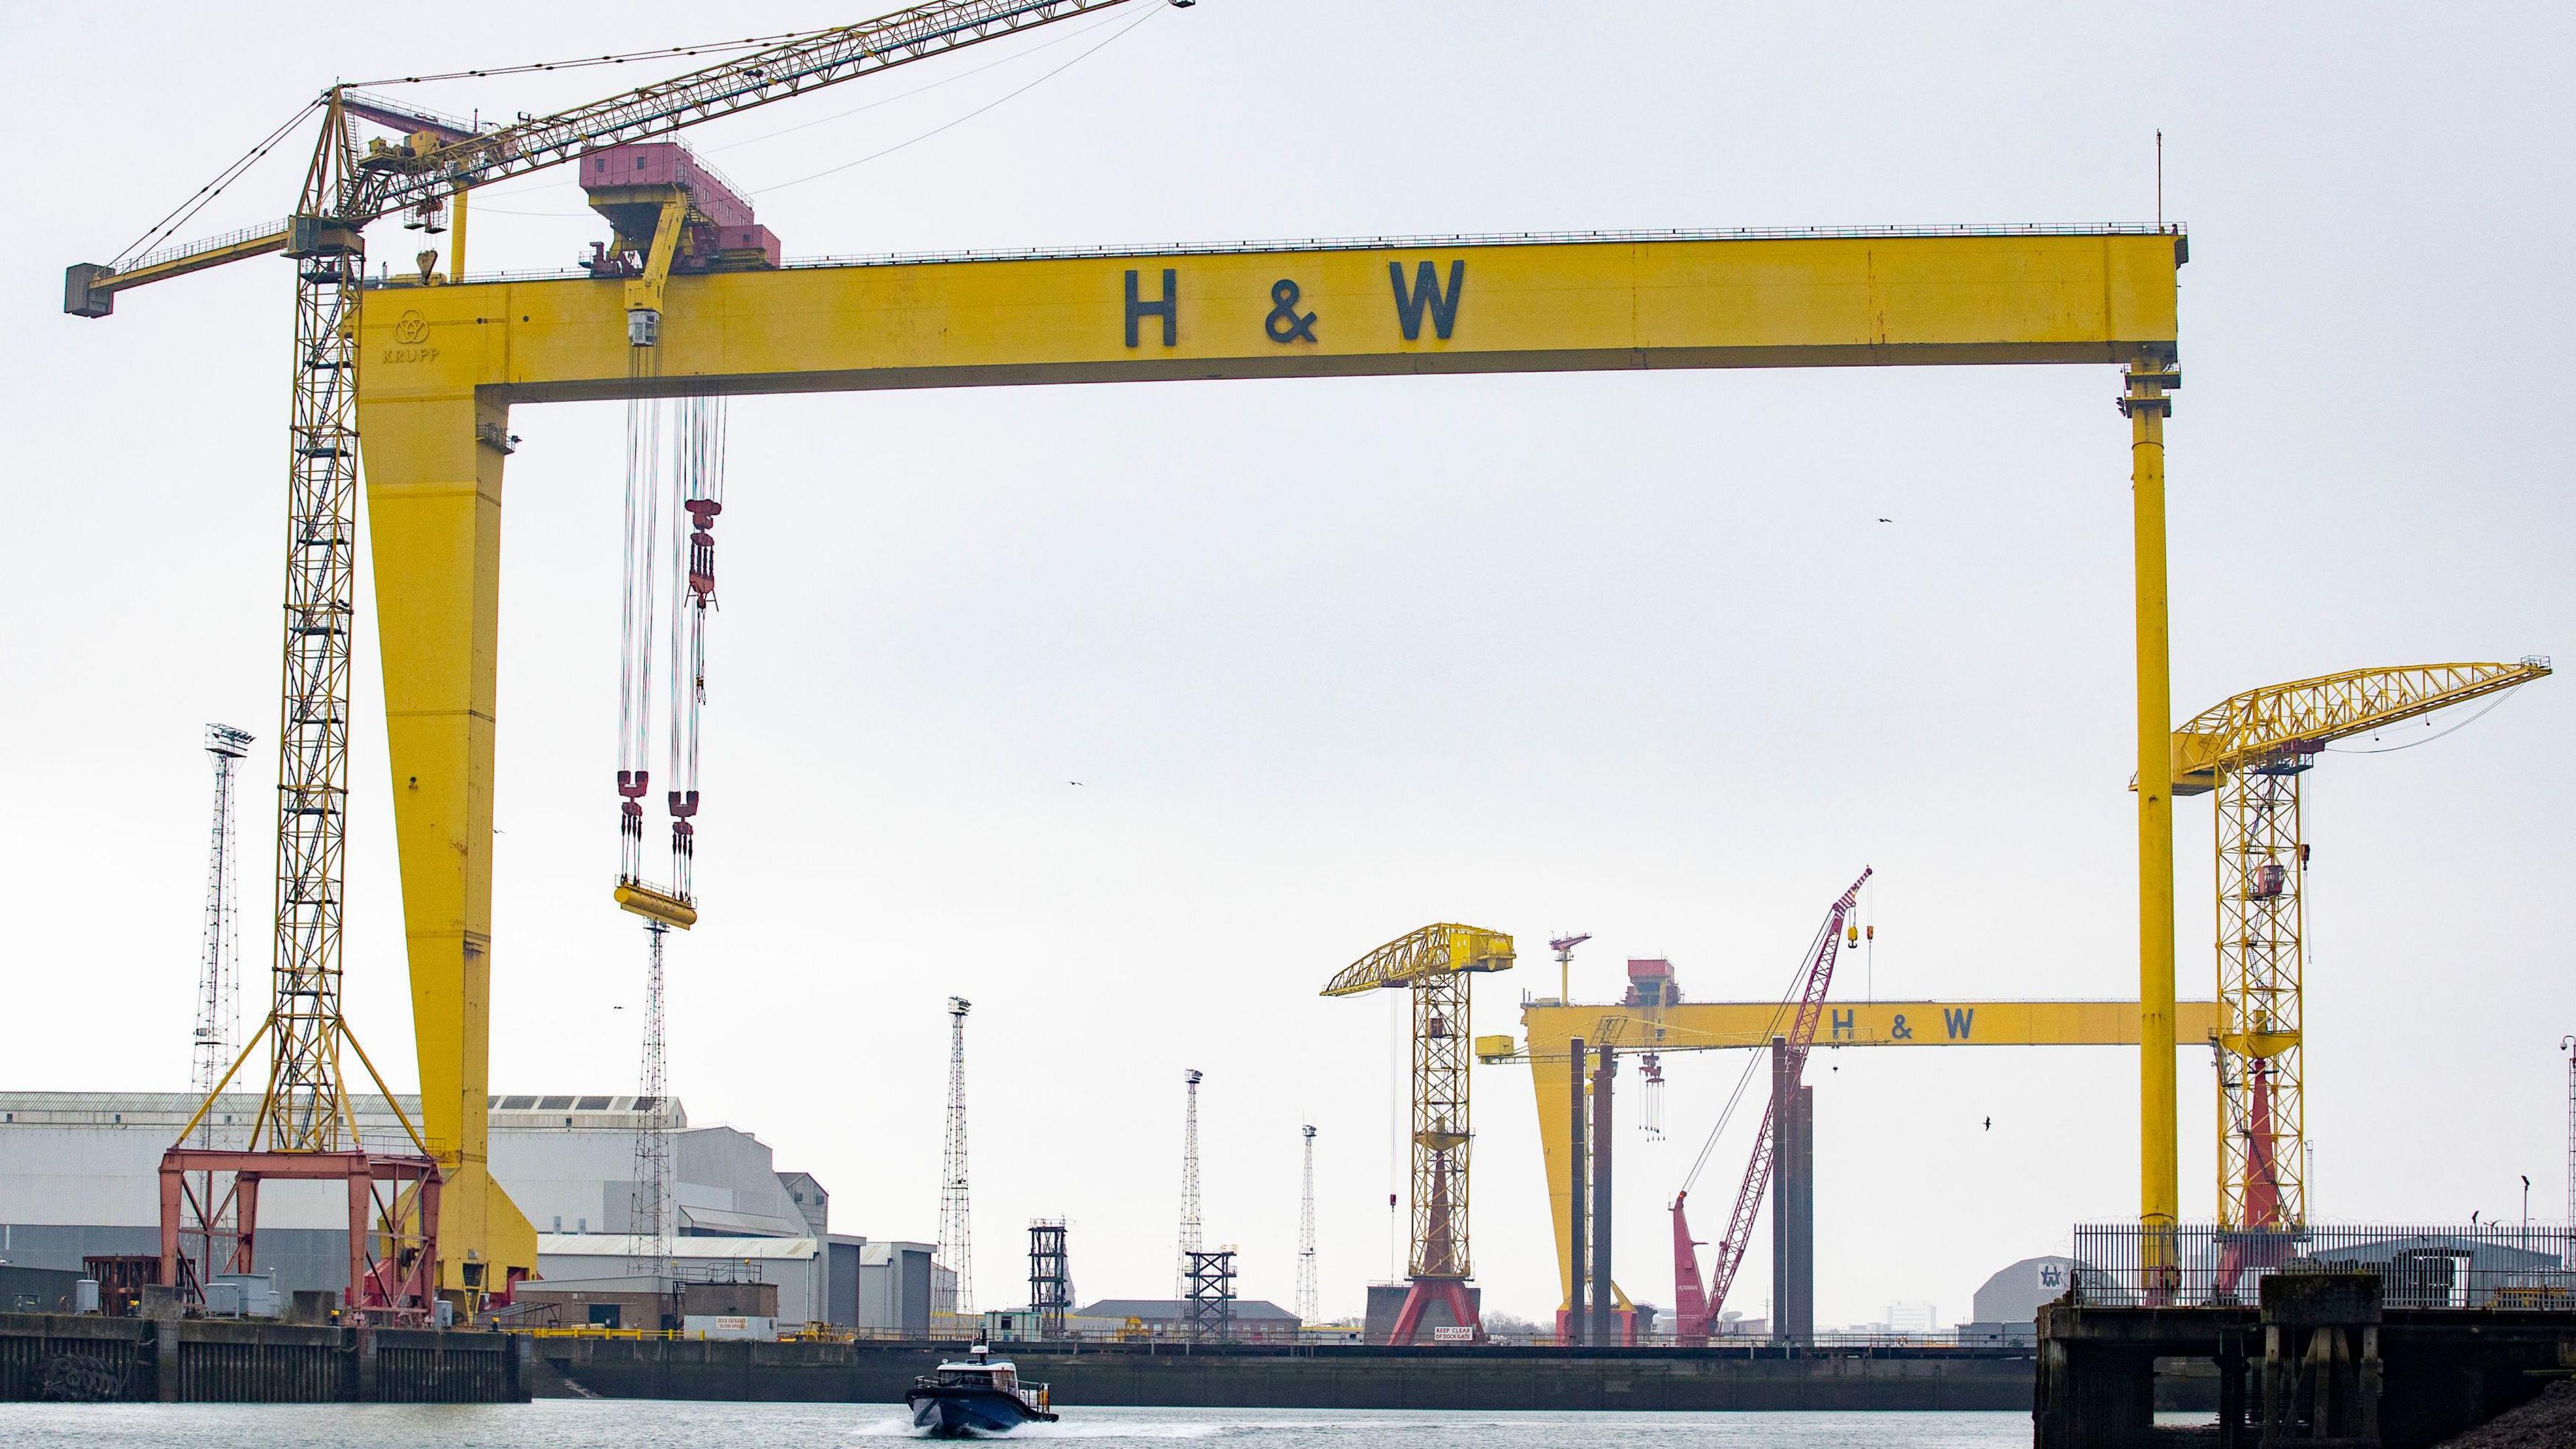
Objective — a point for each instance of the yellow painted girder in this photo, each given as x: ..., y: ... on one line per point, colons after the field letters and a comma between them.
x: 1709, y: 1026
x: 2305, y: 714
x: 1518, y: 307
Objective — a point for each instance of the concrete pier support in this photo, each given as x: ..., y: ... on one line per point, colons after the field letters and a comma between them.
x: 1793, y: 1201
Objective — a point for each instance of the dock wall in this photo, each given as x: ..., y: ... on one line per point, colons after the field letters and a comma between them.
x: 86, y: 1357
x: 1335, y: 1377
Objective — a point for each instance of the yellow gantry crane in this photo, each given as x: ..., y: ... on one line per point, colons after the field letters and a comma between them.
x: 2252, y: 750
x: 431, y: 367
x: 1437, y: 964
x: 424, y: 175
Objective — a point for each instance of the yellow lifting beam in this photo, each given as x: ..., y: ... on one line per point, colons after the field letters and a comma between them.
x: 440, y: 366
x: 1548, y: 1027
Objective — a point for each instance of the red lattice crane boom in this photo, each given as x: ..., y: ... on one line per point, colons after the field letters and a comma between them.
x: 1698, y: 1308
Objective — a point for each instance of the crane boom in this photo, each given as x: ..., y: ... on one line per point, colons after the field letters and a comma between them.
x: 1818, y: 978
x: 440, y: 156
x: 1420, y: 955
x: 2304, y: 715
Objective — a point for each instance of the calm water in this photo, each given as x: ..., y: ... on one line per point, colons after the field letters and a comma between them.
x: 602, y: 1424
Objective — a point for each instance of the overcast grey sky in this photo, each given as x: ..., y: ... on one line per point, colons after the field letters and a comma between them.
x: 1621, y: 653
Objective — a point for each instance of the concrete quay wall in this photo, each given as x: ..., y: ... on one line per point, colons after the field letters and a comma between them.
x: 1335, y: 1377
x: 89, y: 1358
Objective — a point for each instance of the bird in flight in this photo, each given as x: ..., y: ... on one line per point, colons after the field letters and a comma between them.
x: 1073, y: 782
x: 1887, y: 520
x: 1990, y: 1124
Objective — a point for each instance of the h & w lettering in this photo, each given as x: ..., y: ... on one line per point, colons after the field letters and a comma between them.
x: 1426, y: 293
x: 1169, y: 309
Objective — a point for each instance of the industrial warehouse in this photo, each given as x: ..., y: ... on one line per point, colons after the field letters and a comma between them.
x: 79, y: 1178
x: 1603, y: 782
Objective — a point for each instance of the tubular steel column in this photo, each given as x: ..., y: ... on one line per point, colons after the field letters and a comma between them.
x: 1605, y: 1303
x: 1578, y: 1318
x: 2159, y: 1157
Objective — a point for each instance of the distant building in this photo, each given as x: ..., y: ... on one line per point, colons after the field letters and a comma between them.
x: 897, y: 1283
x: 79, y: 1175
x: 2006, y: 1308
x: 2452, y: 1270
x: 1255, y: 1319
x: 1917, y: 1319
x: 645, y: 1301
x: 810, y: 1199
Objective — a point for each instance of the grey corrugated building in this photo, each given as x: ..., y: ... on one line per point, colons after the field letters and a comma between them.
x: 79, y: 1174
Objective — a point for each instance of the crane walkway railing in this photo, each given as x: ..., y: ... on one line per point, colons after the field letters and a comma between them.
x: 1423, y: 242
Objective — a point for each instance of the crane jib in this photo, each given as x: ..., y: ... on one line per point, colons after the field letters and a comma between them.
x: 778, y: 73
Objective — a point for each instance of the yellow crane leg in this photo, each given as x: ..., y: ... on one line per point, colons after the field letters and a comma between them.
x: 434, y: 522
x: 2159, y: 1140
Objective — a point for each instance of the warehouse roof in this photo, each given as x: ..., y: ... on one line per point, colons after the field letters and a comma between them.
x: 173, y: 1109
x: 1177, y: 1310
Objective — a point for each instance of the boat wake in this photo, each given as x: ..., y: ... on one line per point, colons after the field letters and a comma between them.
x: 902, y: 1428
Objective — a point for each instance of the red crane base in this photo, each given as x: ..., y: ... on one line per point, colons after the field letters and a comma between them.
x: 1452, y: 1291
x: 400, y: 1287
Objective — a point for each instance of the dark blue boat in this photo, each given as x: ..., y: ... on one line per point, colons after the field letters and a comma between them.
x: 984, y: 1396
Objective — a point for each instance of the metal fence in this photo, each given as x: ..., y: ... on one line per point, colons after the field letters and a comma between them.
x: 2481, y: 1265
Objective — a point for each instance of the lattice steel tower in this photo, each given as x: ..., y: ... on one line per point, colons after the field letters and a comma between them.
x: 218, y: 1034
x: 1189, y: 1182
x: 651, y: 1210
x: 1050, y: 1276
x: 305, y: 1109
x: 1306, y: 1234
x: 956, y: 1216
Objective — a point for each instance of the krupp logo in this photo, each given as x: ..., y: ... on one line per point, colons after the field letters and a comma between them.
x: 413, y: 328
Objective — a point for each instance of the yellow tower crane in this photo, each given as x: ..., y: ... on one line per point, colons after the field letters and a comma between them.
x: 1437, y: 964
x: 439, y: 700
x: 2251, y: 750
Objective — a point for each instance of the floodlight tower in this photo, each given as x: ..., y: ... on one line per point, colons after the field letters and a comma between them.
x: 652, y: 1206
x: 1306, y: 1235
x: 218, y: 1034
x: 1189, y: 1179
x: 956, y: 1218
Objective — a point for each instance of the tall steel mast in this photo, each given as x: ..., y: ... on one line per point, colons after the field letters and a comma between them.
x: 1189, y: 1178
x: 956, y: 1215
x: 218, y: 1034
x: 649, y: 1219
x: 1306, y: 1234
